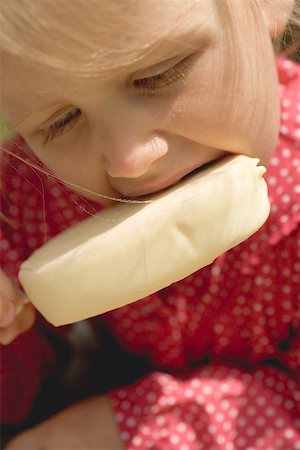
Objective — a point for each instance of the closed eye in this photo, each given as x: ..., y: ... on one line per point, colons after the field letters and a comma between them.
x: 159, y: 80
x: 62, y: 125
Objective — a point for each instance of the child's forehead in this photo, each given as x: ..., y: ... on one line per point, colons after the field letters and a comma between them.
x: 113, y: 32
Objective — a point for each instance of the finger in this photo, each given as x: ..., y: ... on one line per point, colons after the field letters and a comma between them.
x: 6, y: 286
x: 7, y: 312
x: 23, y: 322
x: 9, y: 291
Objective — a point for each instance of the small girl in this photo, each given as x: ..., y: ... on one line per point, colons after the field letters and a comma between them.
x: 113, y: 98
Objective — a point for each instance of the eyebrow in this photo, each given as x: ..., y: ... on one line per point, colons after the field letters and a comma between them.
x: 196, y: 37
x: 21, y: 112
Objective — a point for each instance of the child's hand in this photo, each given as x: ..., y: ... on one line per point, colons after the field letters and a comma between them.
x: 87, y: 425
x: 16, y: 315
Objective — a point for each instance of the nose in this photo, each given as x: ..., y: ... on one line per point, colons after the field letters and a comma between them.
x: 132, y: 160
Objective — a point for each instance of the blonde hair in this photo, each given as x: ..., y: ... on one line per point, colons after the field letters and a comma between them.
x: 26, y: 30
x: 21, y: 23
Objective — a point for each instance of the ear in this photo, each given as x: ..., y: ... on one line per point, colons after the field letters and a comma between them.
x: 277, y: 14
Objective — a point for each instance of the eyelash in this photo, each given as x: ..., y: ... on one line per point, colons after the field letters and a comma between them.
x: 144, y: 86
x: 62, y: 125
x: 150, y: 84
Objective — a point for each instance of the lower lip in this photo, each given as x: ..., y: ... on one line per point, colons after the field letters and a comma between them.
x: 167, y: 182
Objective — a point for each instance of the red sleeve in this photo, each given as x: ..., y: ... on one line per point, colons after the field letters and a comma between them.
x: 215, y: 406
x: 30, y: 359
x: 35, y: 207
x: 27, y: 361
x: 25, y: 365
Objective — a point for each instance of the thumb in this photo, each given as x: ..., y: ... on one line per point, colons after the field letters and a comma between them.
x: 11, y: 300
x: 23, y: 321
x: 7, y: 312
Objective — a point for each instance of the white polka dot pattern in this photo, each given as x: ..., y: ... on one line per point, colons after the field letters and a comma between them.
x: 244, y: 307
x: 37, y: 206
x: 217, y: 407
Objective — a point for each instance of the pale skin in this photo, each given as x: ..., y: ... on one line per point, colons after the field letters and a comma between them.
x: 136, y: 139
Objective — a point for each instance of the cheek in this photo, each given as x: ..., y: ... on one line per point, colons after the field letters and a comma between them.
x: 230, y: 106
x: 82, y: 172
x: 87, y: 177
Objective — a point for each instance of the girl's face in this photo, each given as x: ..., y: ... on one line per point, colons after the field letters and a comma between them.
x: 180, y: 83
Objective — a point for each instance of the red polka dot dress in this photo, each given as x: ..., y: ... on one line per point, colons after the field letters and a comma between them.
x: 224, y: 343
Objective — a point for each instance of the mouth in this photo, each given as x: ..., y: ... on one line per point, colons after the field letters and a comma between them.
x: 163, y: 183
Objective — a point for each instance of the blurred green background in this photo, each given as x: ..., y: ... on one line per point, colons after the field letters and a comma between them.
x: 4, y: 130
